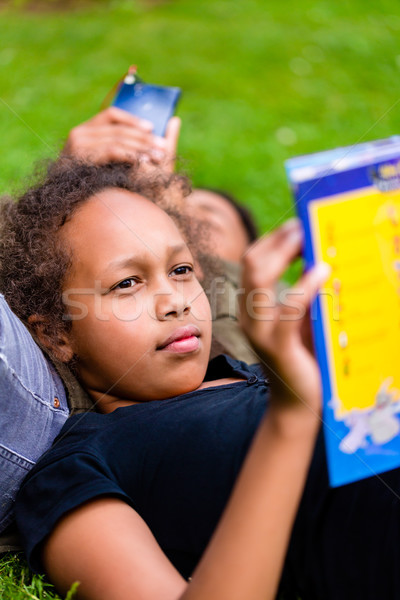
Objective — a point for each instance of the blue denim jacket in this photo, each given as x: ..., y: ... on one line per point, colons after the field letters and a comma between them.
x: 33, y: 407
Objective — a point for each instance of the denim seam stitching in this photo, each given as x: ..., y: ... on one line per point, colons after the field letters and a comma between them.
x: 3, y: 358
x: 9, y: 455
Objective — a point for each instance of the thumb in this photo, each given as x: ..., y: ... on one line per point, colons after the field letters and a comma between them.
x: 304, y: 291
x: 171, y: 137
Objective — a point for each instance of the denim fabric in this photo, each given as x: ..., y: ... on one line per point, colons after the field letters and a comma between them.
x: 33, y: 407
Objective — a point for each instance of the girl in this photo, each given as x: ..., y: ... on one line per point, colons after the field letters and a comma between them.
x: 40, y: 402
x: 181, y: 472
x: 120, y: 302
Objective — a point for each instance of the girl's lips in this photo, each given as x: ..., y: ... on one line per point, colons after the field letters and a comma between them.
x: 183, y: 339
x: 188, y: 344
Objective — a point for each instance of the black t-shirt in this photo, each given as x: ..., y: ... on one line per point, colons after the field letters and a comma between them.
x: 174, y: 461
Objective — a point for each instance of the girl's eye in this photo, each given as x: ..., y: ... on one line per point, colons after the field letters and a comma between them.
x: 182, y: 270
x: 125, y: 284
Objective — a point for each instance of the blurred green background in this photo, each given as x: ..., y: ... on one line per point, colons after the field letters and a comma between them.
x: 262, y: 81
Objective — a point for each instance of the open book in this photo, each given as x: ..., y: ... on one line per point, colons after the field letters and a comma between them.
x: 349, y: 202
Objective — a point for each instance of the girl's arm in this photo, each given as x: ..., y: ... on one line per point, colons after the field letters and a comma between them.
x: 245, y: 556
x: 107, y: 546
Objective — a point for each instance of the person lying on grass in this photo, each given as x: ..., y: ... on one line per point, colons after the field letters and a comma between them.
x: 31, y: 421
x: 171, y: 432
x: 190, y: 468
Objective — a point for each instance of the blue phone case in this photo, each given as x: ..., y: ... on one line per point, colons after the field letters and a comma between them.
x: 154, y: 103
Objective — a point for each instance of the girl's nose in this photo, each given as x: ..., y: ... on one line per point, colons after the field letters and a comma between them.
x: 171, y: 304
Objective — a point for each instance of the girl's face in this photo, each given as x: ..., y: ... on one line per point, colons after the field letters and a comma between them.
x: 141, y: 323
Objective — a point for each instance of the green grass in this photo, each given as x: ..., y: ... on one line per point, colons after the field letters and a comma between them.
x: 18, y: 583
x: 262, y: 81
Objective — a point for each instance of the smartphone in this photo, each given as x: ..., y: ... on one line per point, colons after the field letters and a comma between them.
x: 154, y: 103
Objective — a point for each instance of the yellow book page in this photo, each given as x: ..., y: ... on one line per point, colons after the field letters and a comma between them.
x: 358, y: 234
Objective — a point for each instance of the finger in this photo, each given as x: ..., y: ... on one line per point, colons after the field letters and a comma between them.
x: 107, y: 149
x: 142, y: 143
x: 273, y: 238
x: 171, y: 138
x: 132, y: 135
x: 115, y: 131
x: 268, y: 259
x: 172, y: 135
x: 112, y: 114
x: 94, y: 139
x: 306, y: 333
x: 305, y: 291
x: 100, y: 137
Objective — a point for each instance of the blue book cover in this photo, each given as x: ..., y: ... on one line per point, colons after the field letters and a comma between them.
x: 348, y: 200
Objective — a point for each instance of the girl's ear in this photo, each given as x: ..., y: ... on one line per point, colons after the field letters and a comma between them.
x: 57, y: 344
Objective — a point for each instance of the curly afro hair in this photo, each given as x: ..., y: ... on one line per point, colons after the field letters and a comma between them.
x: 33, y: 261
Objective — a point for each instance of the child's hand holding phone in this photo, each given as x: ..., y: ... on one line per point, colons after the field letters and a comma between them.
x: 116, y: 135
x: 138, y: 125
